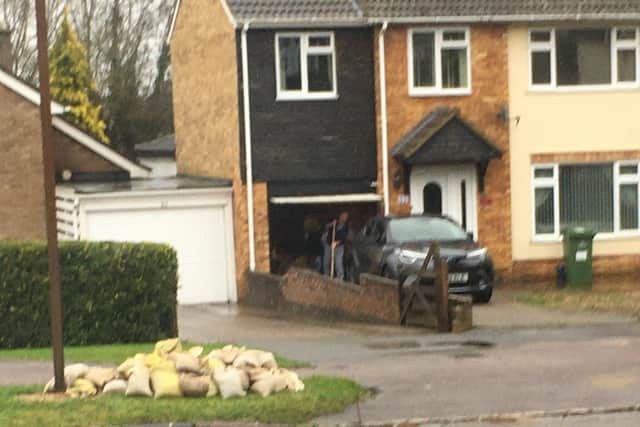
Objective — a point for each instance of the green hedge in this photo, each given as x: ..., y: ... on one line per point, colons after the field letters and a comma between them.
x: 111, y: 293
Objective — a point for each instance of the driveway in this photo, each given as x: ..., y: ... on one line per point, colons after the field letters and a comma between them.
x: 518, y: 358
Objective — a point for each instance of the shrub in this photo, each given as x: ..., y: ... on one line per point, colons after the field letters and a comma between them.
x: 111, y: 292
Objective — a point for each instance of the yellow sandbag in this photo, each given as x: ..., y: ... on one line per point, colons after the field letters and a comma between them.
x: 165, y: 383
x: 81, y: 388
x: 125, y: 368
x: 168, y: 346
x: 154, y: 361
x: 196, y: 351
x: 210, y: 364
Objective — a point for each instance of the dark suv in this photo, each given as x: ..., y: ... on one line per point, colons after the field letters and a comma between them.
x: 396, y: 247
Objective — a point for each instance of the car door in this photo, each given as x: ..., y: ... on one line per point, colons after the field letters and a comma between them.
x: 376, y: 245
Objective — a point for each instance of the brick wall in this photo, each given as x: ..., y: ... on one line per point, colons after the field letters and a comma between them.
x: 77, y: 158
x: 376, y: 298
x: 489, y: 80
x: 21, y: 174
x: 590, y: 156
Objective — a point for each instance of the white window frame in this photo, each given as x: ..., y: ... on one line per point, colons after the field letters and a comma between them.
x: 554, y: 183
x: 615, y: 45
x: 439, y: 44
x: 305, y: 50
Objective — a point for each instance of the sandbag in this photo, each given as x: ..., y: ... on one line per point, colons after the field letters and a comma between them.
x: 138, y: 384
x: 165, y: 347
x: 213, y: 388
x: 196, y: 351
x: 255, y: 359
x: 155, y: 361
x: 186, y: 362
x: 210, y: 364
x: 227, y: 353
x: 124, y: 370
x: 100, y: 376
x: 165, y: 383
x: 115, y: 387
x: 256, y: 374
x: 269, y: 382
x: 292, y: 380
x: 71, y: 374
x: 81, y: 388
x: 229, y: 382
x: 194, y: 385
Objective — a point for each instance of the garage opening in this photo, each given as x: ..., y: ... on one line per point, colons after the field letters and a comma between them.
x: 298, y: 227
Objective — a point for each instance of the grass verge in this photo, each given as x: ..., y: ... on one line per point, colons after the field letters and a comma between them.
x: 114, y: 353
x: 626, y: 303
x: 322, y: 395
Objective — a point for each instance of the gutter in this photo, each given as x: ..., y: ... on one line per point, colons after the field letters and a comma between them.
x: 247, y: 146
x: 383, y: 118
x: 507, y: 18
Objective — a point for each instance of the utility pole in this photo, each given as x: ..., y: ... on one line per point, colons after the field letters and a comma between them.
x: 48, y: 160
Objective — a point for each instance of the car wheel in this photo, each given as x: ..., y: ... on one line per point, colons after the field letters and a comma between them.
x: 483, y: 297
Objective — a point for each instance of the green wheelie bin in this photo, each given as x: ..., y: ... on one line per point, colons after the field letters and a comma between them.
x: 578, y: 257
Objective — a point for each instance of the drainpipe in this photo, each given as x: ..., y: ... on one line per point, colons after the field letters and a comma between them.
x: 247, y: 146
x: 383, y: 118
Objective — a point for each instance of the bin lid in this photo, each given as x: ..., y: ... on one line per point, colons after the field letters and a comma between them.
x: 579, y: 232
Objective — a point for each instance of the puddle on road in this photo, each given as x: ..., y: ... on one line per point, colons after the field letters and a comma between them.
x: 393, y: 345
x: 457, y: 349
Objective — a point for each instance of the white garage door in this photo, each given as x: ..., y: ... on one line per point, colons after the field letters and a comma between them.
x: 198, y: 234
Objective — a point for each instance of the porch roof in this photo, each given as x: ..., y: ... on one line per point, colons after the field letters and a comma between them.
x: 443, y: 136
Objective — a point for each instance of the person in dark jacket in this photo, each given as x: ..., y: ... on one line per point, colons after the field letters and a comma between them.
x: 336, y: 243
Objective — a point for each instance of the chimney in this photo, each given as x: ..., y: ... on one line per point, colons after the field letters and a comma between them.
x: 6, y: 55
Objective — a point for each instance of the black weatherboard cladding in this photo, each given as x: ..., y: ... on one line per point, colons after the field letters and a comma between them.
x: 314, y: 140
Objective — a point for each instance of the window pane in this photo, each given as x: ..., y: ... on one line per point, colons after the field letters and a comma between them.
x: 583, y: 57
x: 626, y: 65
x: 319, y: 41
x: 320, y: 72
x: 544, y: 211
x: 541, y: 67
x: 454, y: 36
x: 543, y: 173
x: 629, y: 206
x: 454, y: 68
x: 628, y: 169
x: 423, y: 60
x: 540, y: 36
x: 626, y: 34
x: 586, y: 197
x: 290, y: 75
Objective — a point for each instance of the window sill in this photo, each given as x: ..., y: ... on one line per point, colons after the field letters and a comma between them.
x: 414, y: 92
x: 307, y: 97
x: 622, y: 235
x: 583, y: 89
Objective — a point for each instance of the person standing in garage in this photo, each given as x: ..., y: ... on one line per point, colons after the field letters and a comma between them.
x: 335, y: 242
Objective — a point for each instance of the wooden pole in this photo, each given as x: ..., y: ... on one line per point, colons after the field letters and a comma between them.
x: 333, y: 250
x: 50, y: 198
x: 442, y: 294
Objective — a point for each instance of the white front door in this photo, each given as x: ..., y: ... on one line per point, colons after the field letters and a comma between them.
x: 446, y: 190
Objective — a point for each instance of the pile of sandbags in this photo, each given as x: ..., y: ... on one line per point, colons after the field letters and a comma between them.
x: 171, y: 371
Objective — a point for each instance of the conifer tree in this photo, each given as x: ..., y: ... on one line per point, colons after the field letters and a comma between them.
x: 72, y: 83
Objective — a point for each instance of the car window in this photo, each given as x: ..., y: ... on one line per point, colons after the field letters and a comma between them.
x: 424, y: 229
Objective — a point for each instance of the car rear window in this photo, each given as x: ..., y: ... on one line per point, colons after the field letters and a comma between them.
x: 423, y: 228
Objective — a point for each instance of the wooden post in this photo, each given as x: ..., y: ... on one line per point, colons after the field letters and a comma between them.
x: 442, y: 295
x: 48, y: 158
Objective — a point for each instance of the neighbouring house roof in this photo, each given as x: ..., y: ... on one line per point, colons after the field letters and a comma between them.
x: 32, y: 95
x: 443, y: 136
x: 295, y: 10
x: 164, y: 146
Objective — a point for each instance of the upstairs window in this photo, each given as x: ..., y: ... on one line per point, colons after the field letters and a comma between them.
x: 305, y: 66
x: 439, y: 62
x: 583, y: 57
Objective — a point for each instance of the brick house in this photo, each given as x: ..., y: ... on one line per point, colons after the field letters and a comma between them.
x: 79, y: 157
x: 500, y: 115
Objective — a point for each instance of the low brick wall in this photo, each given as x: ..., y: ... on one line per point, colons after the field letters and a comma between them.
x: 376, y: 298
x: 264, y: 290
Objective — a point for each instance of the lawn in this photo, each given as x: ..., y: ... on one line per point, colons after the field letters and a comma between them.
x: 618, y: 302
x: 114, y: 353
x: 322, y: 395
